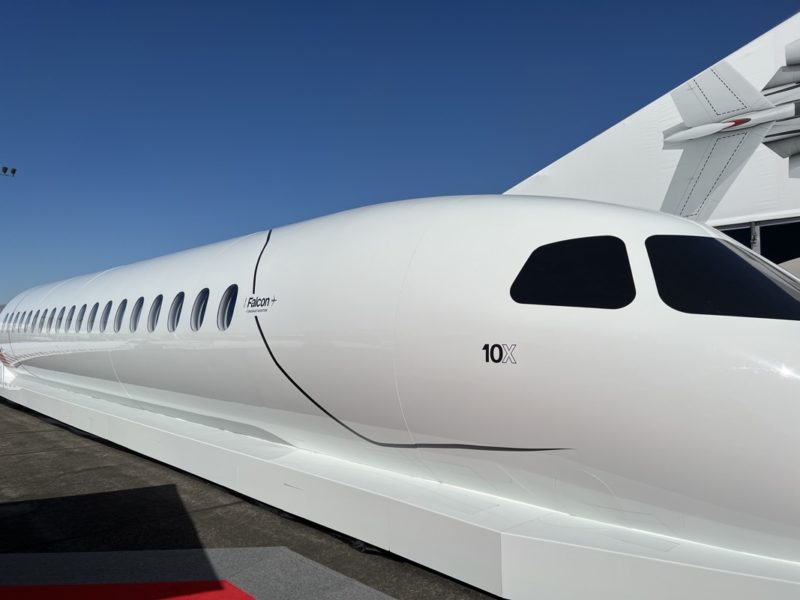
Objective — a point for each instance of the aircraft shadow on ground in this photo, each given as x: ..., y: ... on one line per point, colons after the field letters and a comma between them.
x: 130, y: 523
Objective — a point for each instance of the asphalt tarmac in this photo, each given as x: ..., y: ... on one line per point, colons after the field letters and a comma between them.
x: 72, y: 502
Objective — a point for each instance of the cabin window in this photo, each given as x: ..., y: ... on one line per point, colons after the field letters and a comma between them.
x: 711, y: 276
x: 590, y: 272
x: 135, y: 314
x: 21, y: 326
x: 51, y: 319
x: 199, y: 309
x: 92, y: 315
x: 32, y: 327
x: 155, y: 311
x: 104, y: 317
x: 120, y: 315
x: 79, y: 318
x: 69, y: 318
x: 175, y: 312
x: 226, y: 307
x: 60, y: 319
x: 42, y: 321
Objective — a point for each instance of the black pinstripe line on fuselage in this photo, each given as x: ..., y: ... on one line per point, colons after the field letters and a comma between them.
x: 260, y: 254
x: 353, y: 431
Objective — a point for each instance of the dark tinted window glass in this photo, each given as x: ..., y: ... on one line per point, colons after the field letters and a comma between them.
x: 226, y: 306
x: 92, y: 315
x: 199, y: 309
x: 708, y: 276
x: 175, y: 312
x: 135, y: 314
x: 592, y: 272
x: 69, y: 318
x: 79, y: 320
x: 155, y: 311
x: 120, y: 315
x: 104, y: 316
x: 741, y: 235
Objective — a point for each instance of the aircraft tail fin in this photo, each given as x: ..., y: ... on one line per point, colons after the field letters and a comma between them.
x: 714, y: 149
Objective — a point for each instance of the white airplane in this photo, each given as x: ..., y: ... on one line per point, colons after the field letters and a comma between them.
x: 543, y: 397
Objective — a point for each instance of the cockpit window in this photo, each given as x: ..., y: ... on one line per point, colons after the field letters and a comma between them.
x: 710, y: 276
x: 590, y: 272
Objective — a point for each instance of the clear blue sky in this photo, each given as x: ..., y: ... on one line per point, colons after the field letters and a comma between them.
x: 142, y: 128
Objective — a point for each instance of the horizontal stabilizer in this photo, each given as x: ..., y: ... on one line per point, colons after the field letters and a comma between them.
x: 715, y: 94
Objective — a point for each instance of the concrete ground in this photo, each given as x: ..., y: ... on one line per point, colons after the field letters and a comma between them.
x: 63, y: 492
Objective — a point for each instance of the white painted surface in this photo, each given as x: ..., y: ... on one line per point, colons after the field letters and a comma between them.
x: 680, y: 431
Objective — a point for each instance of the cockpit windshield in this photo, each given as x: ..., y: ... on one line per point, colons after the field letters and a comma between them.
x: 711, y: 276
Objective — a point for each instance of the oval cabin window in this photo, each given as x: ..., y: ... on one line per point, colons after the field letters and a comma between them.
x: 92, y: 316
x: 79, y: 318
x: 155, y: 311
x: 199, y: 309
x: 226, y: 307
x: 120, y: 315
x: 70, y: 316
x: 60, y: 319
x: 104, y: 317
x: 135, y: 314
x: 175, y: 312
